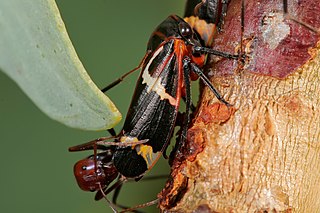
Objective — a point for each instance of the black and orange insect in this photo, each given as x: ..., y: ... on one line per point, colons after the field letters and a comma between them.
x: 174, y: 57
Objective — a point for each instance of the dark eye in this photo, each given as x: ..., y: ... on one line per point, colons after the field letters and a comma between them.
x: 84, y: 168
x: 185, y: 30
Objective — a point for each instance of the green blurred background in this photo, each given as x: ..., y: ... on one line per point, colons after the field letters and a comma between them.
x: 36, y: 173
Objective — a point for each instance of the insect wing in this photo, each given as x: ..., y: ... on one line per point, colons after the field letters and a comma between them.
x: 152, y: 112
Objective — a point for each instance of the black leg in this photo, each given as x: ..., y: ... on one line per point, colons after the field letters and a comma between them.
x: 186, y: 117
x: 116, y: 194
x: 112, y: 132
x: 207, y: 82
x: 192, y: 106
x: 94, y: 144
x: 186, y: 75
x: 117, y: 184
x: 115, y: 197
x: 215, y: 52
x: 134, y: 209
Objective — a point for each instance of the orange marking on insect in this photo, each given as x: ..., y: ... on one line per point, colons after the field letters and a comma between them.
x: 146, y: 152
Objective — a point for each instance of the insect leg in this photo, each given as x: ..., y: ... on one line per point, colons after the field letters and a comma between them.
x: 103, y: 193
x: 101, y: 143
x: 122, y: 144
x: 117, y: 191
x: 215, y: 52
x: 112, y: 132
x: 192, y: 106
x: 115, y: 196
x: 133, y: 209
x: 89, y: 145
x: 207, y: 82
x: 186, y: 117
x: 186, y: 75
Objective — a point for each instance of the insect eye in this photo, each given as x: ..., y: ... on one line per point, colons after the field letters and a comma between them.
x: 84, y: 168
x: 185, y: 30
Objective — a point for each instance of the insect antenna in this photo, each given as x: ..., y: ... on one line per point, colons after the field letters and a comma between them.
x: 116, y: 82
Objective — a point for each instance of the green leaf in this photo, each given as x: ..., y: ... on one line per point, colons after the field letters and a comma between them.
x: 36, y: 52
